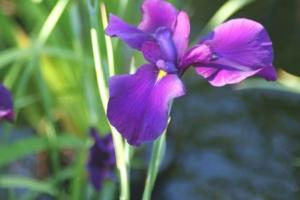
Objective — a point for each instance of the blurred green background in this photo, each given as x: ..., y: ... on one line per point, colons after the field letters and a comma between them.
x: 235, y: 142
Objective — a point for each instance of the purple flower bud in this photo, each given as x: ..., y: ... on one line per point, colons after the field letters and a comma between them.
x: 101, y: 162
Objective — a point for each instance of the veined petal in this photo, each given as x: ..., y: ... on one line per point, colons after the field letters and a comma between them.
x: 221, y: 77
x: 139, y: 104
x: 129, y: 33
x: 240, y: 48
x: 181, y: 33
x: 6, y: 105
x: 157, y: 13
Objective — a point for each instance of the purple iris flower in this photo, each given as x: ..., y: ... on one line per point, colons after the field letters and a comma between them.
x: 102, y: 160
x: 6, y: 105
x: 139, y: 104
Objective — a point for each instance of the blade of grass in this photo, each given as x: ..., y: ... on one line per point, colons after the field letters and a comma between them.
x: 10, y: 181
x: 108, y: 42
x: 9, y: 56
x: 156, y: 158
x: 29, y: 146
x: 223, y: 13
x: 103, y: 92
x: 51, y: 21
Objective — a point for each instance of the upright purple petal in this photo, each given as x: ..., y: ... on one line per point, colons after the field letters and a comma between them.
x: 162, y: 52
x: 156, y: 14
x: 139, y: 104
x: 164, y: 38
x: 152, y: 52
x: 181, y: 33
x: 239, y: 48
x: 6, y: 105
x: 129, y: 33
x: 101, y: 161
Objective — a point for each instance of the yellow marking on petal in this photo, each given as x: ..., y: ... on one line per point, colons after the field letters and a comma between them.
x: 160, y: 75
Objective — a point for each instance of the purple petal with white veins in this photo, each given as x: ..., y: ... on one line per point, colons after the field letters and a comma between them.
x: 6, y: 105
x: 239, y: 48
x: 181, y: 33
x: 139, y: 104
x: 156, y: 14
x: 129, y: 33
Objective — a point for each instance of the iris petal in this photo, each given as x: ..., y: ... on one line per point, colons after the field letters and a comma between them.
x: 240, y: 48
x: 181, y: 33
x: 128, y: 33
x: 6, y: 105
x: 139, y: 103
x: 156, y: 14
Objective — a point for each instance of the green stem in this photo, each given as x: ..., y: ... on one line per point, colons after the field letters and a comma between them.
x: 51, y: 21
x: 108, y: 42
x: 103, y: 92
x: 156, y: 157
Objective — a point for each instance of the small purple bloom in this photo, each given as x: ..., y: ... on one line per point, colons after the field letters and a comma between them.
x: 6, y: 105
x: 101, y: 161
x: 139, y: 104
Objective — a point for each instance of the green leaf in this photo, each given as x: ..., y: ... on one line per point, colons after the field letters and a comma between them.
x: 11, y: 55
x: 25, y: 147
x: 11, y: 181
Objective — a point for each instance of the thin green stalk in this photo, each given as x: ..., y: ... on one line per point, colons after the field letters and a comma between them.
x: 111, y: 67
x: 108, y: 43
x: 51, y: 21
x: 103, y: 92
x: 118, y: 142
x: 223, y: 13
x: 156, y: 158
x: 99, y: 68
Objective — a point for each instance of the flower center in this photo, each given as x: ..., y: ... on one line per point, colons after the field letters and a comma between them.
x: 166, y: 66
x: 161, y: 74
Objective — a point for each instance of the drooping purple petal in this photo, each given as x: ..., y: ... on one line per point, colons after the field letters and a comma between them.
x: 101, y: 161
x: 156, y: 14
x: 129, y: 33
x: 139, y: 103
x: 6, y: 105
x: 239, y: 48
x: 221, y: 77
x: 181, y: 33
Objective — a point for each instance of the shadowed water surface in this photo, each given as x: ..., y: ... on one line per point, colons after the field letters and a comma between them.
x: 227, y: 144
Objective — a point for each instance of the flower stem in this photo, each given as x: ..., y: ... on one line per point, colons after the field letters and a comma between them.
x: 103, y: 92
x: 156, y: 158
